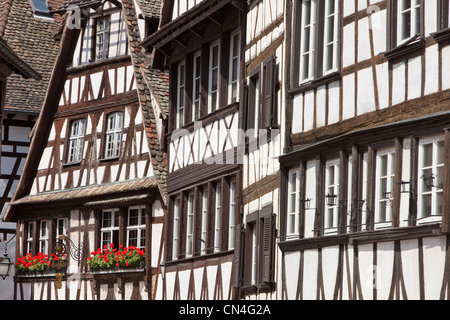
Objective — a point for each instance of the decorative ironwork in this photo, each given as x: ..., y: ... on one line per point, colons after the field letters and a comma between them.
x: 75, y: 252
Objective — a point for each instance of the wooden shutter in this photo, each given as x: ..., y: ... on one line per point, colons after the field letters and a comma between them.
x: 267, y: 241
x: 268, y: 92
x: 238, y: 250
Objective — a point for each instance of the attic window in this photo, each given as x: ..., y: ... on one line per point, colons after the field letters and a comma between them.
x: 40, y: 8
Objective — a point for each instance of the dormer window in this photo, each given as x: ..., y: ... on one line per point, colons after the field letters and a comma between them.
x: 102, y: 38
x: 40, y: 8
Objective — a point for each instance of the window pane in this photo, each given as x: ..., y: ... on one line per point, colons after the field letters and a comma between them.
x: 427, y: 157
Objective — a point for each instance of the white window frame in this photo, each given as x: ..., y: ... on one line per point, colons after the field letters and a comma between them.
x: 30, y: 237
x: 331, y: 42
x: 109, y: 230
x: 293, y: 203
x: 331, y: 221
x: 217, y: 217
x: 76, y: 140
x: 176, y: 227
x: 234, y: 66
x: 114, y: 125
x: 181, y: 85
x: 204, y: 217
x: 384, y: 199
x: 437, y: 190
x: 196, y: 85
x: 61, y: 227
x: 232, y: 215
x: 213, y: 92
x: 139, y: 228
x: 308, y: 48
x: 413, y: 12
x: 254, y: 252
x: 102, y: 37
x: 190, y: 226
x: 43, y: 236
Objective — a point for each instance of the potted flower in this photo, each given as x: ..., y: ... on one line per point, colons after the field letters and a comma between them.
x: 110, y: 258
x: 39, y: 263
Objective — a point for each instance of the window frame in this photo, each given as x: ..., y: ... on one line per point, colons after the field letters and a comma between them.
x: 99, y: 55
x: 235, y: 43
x: 196, y: 85
x: 43, y: 237
x: 435, y: 190
x: 232, y: 214
x: 316, y: 74
x: 140, y: 227
x: 292, y: 228
x: 113, y: 230
x: 176, y: 227
x: 415, y: 21
x: 204, y: 222
x: 116, y: 133
x: 329, y: 229
x: 190, y: 227
x: 181, y: 99
x: 385, y: 202
x: 76, y: 141
x: 212, y: 107
x: 218, y: 216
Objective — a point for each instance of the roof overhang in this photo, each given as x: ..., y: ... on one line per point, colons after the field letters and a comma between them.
x: 16, y: 63
x: 115, y: 193
x: 186, y: 23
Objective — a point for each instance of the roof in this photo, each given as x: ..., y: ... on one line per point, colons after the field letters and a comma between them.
x: 89, y: 192
x: 150, y: 8
x: 32, y: 39
x: 145, y: 80
x: 17, y: 64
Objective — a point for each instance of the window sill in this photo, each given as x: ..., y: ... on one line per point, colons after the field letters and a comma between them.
x: 313, y: 84
x: 71, y: 164
x: 412, y: 47
x: 112, y: 159
x: 442, y: 36
x: 257, y: 288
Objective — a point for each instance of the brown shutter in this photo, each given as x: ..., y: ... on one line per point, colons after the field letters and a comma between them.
x: 268, y: 91
x: 268, y: 238
x: 237, y: 265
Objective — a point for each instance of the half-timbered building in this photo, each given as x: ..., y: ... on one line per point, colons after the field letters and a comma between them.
x: 202, y: 44
x: 365, y: 177
x: 96, y: 169
x: 30, y: 33
x: 255, y: 249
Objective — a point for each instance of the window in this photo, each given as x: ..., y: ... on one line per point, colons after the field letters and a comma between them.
x: 331, y: 46
x: 113, y: 135
x: 43, y: 237
x: 218, y: 217
x: 30, y: 237
x: 213, y: 86
x: 61, y: 227
x: 136, y: 227
x: 293, y: 203
x: 190, y: 226
x: 232, y: 215
x: 259, y: 248
x: 196, y: 87
x: 176, y: 222
x: 110, y: 227
x: 308, y: 39
x: 431, y: 169
x: 235, y: 54
x: 444, y: 13
x: 204, y: 217
x: 76, y: 141
x: 385, y: 180
x: 180, y: 97
x: 253, y: 111
x: 332, y: 172
x: 102, y: 38
x: 318, y: 26
x: 408, y: 16
x: 40, y: 8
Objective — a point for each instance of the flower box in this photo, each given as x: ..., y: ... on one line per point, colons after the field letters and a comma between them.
x: 112, y: 260
x: 40, y: 265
